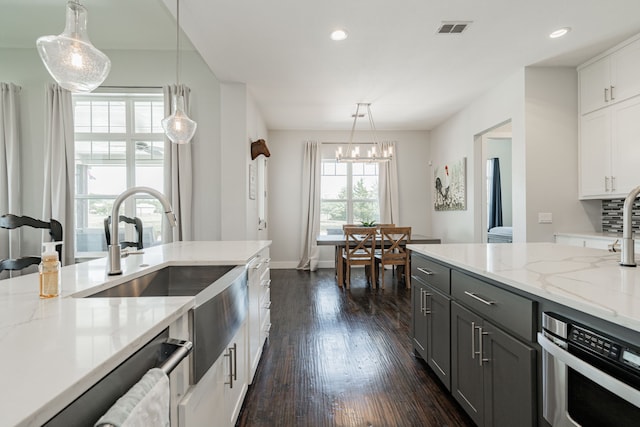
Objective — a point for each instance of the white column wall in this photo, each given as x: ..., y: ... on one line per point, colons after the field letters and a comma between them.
x: 541, y: 103
x: 551, y: 134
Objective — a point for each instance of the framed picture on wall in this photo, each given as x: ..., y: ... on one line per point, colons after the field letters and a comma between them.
x: 449, y: 189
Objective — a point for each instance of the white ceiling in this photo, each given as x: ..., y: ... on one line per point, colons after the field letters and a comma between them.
x: 393, y: 57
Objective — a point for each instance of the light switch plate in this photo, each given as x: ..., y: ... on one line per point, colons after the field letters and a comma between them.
x: 545, y: 218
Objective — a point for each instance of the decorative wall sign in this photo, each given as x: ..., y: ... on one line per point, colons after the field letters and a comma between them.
x: 252, y: 182
x: 450, y: 186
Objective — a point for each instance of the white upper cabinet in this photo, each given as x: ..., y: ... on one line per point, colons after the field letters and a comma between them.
x: 610, y: 151
x: 609, y: 145
x: 612, y: 78
x: 595, y: 82
x: 625, y: 72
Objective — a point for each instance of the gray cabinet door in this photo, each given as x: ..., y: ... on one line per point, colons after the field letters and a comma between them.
x: 466, y: 370
x: 439, y: 335
x: 508, y: 379
x: 419, y: 318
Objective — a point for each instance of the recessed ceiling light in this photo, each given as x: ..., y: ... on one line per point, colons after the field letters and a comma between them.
x: 338, y: 35
x: 559, y: 32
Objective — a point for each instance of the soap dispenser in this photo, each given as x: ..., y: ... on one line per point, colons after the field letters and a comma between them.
x: 49, y: 269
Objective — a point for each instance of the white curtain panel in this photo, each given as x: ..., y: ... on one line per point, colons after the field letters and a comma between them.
x: 310, y: 206
x: 59, y: 176
x: 10, y: 185
x: 388, y: 187
x: 178, y: 181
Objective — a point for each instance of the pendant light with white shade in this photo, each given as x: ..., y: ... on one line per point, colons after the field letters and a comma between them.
x: 70, y: 58
x: 178, y: 127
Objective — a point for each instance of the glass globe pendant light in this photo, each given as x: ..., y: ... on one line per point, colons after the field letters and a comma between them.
x: 178, y: 127
x: 70, y: 57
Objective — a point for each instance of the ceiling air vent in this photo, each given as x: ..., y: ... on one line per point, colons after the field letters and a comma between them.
x: 453, y: 27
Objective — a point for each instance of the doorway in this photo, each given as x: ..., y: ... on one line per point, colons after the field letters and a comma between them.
x: 496, y: 177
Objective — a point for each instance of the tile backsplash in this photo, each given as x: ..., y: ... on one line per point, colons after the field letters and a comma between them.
x: 612, y: 216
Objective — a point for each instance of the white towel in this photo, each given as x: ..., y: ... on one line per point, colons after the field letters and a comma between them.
x: 146, y: 404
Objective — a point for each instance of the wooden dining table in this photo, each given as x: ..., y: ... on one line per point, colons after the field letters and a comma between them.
x: 339, y: 241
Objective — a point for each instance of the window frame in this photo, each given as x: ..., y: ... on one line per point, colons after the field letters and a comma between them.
x: 349, y: 199
x: 130, y: 139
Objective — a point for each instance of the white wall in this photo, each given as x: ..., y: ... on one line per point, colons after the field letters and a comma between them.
x: 241, y: 124
x: 129, y: 68
x: 456, y: 138
x: 542, y: 105
x: 285, y: 184
x: 551, y: 108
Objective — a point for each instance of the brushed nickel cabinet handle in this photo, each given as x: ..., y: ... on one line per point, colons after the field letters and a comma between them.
x: 427, y: 310
x: 235, y: 362
x: 613, y: 183
x: 606, y: 94
x: 476, y: 297
x: 611, y: 92
x: 425, y: 271
x: 480, y: 345
x: 230, y: 382
x: 473, y: 340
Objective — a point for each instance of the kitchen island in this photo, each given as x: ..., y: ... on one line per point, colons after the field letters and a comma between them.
x: 478, y: 320
x: 587, y: 280
x: 55, y: 349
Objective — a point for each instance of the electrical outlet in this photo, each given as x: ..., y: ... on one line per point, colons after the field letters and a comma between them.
x: 545, y: 218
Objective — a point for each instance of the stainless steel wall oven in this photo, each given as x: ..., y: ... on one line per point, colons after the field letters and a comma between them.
x: 589, y: 378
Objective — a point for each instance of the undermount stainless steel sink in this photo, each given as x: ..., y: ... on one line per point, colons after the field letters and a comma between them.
x: 221, y: 304
x: 169, y: 281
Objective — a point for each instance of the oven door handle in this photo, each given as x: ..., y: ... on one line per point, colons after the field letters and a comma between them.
x: 605, y: 380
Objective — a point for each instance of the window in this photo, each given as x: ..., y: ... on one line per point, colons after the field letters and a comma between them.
x: 119, y: 144
x: 348, y: 194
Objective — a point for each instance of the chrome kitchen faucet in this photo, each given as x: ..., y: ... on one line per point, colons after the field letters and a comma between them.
x: 113, y: 259
x: 628, y: 256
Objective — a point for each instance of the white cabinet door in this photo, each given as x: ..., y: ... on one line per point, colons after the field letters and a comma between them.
x: 625, y: 139
x: 595, y: 154
x: 217, y: 398
x: 204, y: 403
x: 625, y: 72
x: 255, y: 290
x: 594, y: 85
x: 236, y: 364
x: 259, y: 275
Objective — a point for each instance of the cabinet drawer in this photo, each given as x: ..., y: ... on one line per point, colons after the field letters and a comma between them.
x: 509, y: 310
x: 432, y: 273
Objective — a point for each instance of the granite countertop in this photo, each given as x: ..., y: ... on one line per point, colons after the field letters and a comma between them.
x: 55, y: 349
x: 588, y: 280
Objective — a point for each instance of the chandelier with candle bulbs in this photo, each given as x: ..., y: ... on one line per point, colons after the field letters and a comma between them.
x: 375, y: 153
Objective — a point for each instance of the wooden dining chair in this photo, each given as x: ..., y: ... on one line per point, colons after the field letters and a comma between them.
x: 135, y: 221
x: 393, y: 251
x: 360, y: 246
x: 11, y: 222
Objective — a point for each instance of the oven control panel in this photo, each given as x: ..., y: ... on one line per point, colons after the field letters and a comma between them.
x: 595, y: 343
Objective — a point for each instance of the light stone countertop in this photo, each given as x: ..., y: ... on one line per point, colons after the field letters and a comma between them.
x: 588, y: 280
x: 55, y: 349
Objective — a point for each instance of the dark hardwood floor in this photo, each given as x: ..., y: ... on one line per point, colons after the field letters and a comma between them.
x: 343, y: 358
